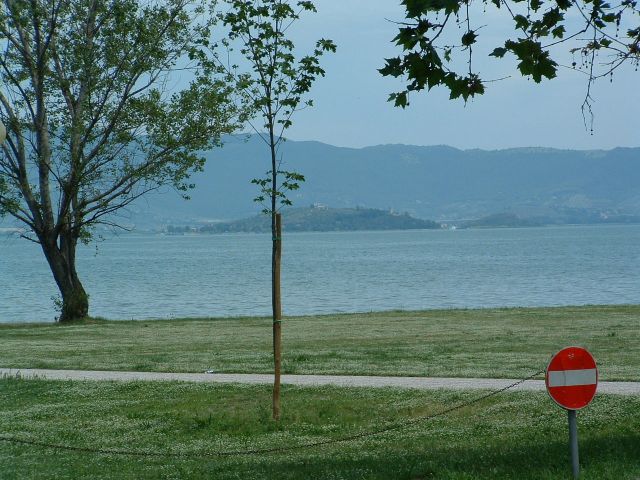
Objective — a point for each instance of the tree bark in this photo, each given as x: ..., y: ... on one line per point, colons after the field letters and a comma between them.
x: 75, y: 302
x: 276, y: 249
x: 277, y: 319
x: 62, y: 261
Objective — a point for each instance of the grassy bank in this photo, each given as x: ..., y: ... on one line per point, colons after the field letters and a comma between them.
x: 514, y: 435
x: 465, y: 343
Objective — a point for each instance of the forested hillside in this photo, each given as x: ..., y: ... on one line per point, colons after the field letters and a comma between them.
x: 439, y: 182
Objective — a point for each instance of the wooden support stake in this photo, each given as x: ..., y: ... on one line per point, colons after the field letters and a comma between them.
x: 277, y: 316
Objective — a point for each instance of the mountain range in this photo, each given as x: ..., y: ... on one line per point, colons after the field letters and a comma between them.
x: 438, y: 183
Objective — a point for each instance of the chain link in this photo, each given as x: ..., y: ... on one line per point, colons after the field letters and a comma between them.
x: 264, y: 451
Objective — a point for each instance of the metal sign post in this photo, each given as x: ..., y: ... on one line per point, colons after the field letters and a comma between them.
x: 573, y: 442
x: 572, y: 379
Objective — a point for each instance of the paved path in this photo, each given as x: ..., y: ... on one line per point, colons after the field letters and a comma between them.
x: 423, y: 383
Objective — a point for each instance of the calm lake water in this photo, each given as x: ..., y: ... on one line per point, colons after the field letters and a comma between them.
x: 154, y: 276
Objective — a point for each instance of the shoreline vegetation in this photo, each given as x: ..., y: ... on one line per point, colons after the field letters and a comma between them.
x: 320, y: 218
x: 491, y: 343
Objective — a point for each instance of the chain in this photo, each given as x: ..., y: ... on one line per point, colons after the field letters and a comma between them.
x: 263, y: 451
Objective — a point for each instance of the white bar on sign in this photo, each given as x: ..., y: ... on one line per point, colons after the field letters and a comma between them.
x: 571, y: 378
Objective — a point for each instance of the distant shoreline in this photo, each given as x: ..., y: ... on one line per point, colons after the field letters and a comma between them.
x: 7, y: 233
x: 484, y: 227
x: 318, y: 218
x: 427, y: 311
x: 326, y: 219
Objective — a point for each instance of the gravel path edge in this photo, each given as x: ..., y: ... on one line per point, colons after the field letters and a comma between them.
x: 422, y: 383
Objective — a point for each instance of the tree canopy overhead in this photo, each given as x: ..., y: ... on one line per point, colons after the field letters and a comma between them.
x: 598, y: 36
x: 91, y: 121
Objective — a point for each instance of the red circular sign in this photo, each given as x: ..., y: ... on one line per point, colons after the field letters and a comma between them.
x: 572, y: 378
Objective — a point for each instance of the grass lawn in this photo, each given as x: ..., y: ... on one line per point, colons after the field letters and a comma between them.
x: 464, y: 343
x: 509, y: 436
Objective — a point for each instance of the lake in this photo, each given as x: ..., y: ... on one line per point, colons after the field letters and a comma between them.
x: 144, y: 276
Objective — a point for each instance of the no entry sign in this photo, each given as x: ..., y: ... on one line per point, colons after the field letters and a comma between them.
x: 572, y: 378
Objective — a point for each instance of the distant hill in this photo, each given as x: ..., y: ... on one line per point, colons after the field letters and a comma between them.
x: 323, y: 219
x: 439, y: 182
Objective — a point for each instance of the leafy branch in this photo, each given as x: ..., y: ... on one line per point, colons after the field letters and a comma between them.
x: 290, y: 181
x: 427, y: 61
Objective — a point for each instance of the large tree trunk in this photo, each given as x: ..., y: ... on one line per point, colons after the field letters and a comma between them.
x: 62, y: 261
x: 75, y: 302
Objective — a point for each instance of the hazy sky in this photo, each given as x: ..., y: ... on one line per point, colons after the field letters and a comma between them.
x: 351, y: 108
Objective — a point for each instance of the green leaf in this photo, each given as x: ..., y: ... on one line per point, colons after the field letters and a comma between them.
x: 469, y: 38
x: 399, y: 99
x: 415, y: 8
x: 552, y: 17
x: 306, y: 5
x: 534, y: 61
x: 498, y: 52
x: 522, y: 22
